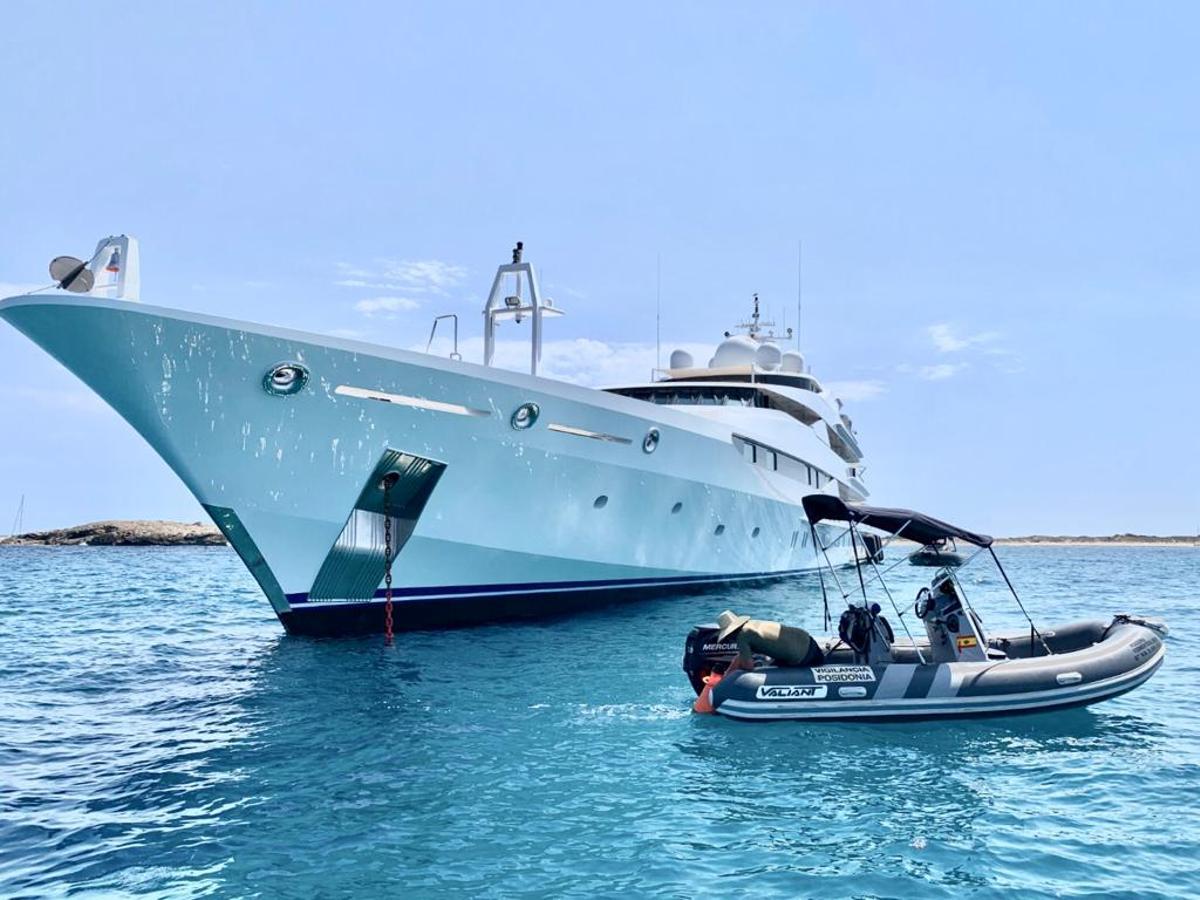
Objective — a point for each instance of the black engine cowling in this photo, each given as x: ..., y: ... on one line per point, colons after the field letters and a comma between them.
x: 703, y: 654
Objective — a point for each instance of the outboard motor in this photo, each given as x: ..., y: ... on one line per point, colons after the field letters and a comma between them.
x: 867, y: 633
x: 704, y: 655
x: 873, y: 544
x: 954, y: 633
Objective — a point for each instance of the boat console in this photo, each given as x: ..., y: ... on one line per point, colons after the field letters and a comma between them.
x: 955, y: 634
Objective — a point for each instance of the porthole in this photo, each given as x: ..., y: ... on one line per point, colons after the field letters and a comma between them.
x: 755, y: 532
x: 524, y: 416
x: 650, y: 441
x: 676, y: 508
x: 719, y: 530
x: 285, y: 379
x: 600, y: 502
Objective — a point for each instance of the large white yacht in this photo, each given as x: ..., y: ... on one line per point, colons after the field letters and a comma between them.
x: 506, y: 493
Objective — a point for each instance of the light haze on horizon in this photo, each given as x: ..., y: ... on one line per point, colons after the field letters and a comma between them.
x: 998, y: 203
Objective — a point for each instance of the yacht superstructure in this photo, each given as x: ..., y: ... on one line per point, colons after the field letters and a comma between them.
x: 508, y: 493
x: 781, y: 418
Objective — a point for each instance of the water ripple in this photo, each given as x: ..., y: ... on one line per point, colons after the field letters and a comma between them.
x: 159, y: 736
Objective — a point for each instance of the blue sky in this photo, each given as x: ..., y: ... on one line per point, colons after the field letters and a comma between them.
x: 999, y: 206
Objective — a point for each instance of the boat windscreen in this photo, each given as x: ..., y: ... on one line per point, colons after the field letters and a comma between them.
x: 905, y: 523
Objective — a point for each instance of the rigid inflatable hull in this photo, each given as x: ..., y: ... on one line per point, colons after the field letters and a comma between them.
x: 1125, y: 656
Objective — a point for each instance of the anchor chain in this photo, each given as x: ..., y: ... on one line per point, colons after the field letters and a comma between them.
x: 387, y: 559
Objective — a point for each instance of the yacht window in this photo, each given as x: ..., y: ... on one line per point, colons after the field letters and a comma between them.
x: 790, y: 467
x: 761, y: 456
x: 781, y: 462
x: 697, y: 395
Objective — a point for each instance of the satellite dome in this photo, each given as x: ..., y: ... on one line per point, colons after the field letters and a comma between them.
x: 738, y: 350
x: 768, y: 356
x: 681, y: 359
x: 792, y: 362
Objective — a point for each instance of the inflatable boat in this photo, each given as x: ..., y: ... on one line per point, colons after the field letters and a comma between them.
x: 1089, y: 662
x: 936, y: 555
x: 955, y: 668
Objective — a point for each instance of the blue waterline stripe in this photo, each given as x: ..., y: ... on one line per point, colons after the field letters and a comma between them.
x: 549, y: 586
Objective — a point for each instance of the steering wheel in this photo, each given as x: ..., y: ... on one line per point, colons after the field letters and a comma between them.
x: 923, y: 604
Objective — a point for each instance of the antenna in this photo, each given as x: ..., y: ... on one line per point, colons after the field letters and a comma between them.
x: 658, y: 313
x: 799, y: 288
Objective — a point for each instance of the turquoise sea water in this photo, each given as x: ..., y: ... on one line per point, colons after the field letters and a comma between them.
x: 159, y: 735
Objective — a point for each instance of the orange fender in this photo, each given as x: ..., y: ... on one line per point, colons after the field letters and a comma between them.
x: 703, y: 703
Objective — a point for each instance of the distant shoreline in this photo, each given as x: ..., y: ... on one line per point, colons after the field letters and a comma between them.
x: 122, y: 533
x: 1141, y: 541
x: 156, y: 533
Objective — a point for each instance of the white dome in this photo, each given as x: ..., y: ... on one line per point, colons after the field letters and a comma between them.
x: 768, y: 356
x: 681, y: 359
x: 738, y: 350
x: 792, y: 362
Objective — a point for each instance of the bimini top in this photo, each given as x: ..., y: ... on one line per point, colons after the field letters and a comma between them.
x: 905, y: 523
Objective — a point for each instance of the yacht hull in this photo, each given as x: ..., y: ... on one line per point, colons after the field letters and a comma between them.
x: 494, y: 521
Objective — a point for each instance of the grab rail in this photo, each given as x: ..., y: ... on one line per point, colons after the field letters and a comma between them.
x: 454, y: 354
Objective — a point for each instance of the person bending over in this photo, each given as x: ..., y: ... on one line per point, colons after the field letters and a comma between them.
x: 785, y: 644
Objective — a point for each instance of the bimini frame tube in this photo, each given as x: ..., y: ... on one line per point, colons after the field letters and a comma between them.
x: 862, y: 584
x: 1032, y: 628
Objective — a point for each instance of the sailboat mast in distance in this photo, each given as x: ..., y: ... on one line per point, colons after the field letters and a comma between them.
x: 19, y: 520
